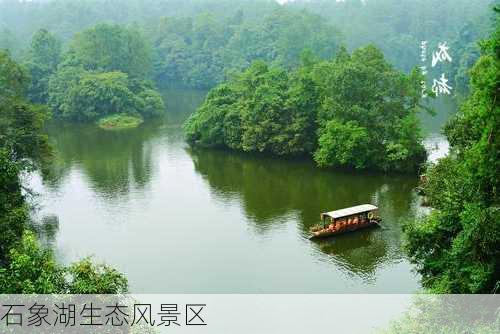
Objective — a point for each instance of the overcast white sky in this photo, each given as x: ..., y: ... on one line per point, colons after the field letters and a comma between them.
x: 285, y: 1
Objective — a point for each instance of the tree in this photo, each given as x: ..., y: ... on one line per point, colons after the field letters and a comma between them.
x: 100, y: 94
x: 355, y: 111
x: 43, y: 58
x: 343, y: 144
x: 78, y: 95
x: 262, y: 110
x: 258, y: 29
x: 66, y: 79
x: 203, y: 50
x: 373, y: 108
x: 104, y: 72
x: 22, y: 146
x: 457, y: 247
x: 13, y: 210
x: 33, y: 269
x: 397, y: 28
x: 26, y: 267
x: 109, y: 48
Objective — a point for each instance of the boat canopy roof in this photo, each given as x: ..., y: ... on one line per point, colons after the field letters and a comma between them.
x: 355, y: 210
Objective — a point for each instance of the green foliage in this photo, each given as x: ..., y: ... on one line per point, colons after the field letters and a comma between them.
x: 65, y: 80
x: 354, y: 111
x: 98, y: 95
x: 466, y: 52
x: 43, y: 58
x: 109, y: 48
x: 33, y: 269
x: 374, y: 110
x: 262, y: 110
x: 65, y: 18
x: 7, y: 40
x: 197, y: 41
x: 200, y: 51
x: 457, y: 246
x: 103, y: 73
x: 206, y: 126
x: 90, y: 278
x: 13, y: 211
x: 22, y: 146
x: 86, y: 96
x: 148, y: 102
x: 13, y: 79
x: 397, y: 27
x: 343, y: 144
x: 119, y: 121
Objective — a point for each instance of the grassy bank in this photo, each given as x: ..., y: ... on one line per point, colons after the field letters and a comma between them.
x: 119, y: 122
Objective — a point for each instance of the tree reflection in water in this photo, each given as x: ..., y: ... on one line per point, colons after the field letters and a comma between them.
x: 271, y: 189
x: 113, y: 161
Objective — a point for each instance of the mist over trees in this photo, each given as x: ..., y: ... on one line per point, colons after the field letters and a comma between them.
x: 196, y: 43
x: 202, y: 51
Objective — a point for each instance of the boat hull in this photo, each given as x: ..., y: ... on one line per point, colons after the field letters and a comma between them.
x: 345, y: 229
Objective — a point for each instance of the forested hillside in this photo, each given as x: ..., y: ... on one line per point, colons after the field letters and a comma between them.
x: 196, y: 43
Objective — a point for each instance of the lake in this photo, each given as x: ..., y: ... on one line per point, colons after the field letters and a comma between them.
x: 182, y: 220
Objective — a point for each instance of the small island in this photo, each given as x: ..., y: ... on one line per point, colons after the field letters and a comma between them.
x: 119, y: 122
x: 353, y: 111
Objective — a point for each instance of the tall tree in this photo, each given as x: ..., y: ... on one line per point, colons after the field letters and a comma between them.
x: 457, y: 247
x: 42, y: 60
x: 108, y: 48
x: 22, y: 146
x: 368, y: 113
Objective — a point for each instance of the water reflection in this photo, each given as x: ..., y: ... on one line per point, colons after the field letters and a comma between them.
x: 270, y: 189
x: 116, y: 162
x: 46, y: 229
x: 209, y: 221
x: 113, y: 161
x: 358, y: 253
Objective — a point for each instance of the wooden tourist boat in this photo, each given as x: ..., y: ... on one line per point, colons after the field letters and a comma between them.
x: 346, y: 220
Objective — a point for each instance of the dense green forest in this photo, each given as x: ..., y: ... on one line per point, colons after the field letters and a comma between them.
x: 355, y: 111
x: 457, y: 247
x: 104, y: 71
x: 201, y: 51
x: 197, y: 43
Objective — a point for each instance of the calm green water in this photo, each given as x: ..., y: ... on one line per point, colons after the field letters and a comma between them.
x: 178, y: 220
